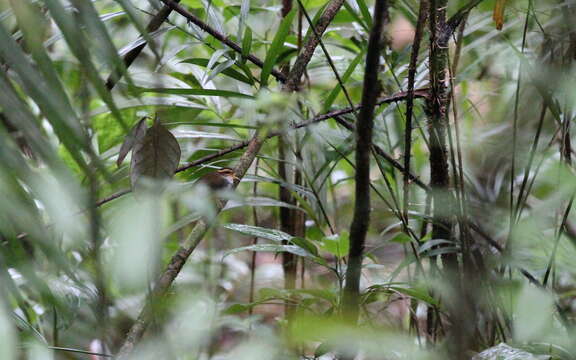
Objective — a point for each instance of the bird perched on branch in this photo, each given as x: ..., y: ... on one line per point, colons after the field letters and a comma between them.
x: 219, y: 180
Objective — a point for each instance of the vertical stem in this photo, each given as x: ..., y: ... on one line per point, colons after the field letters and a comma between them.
x: 286, y: 218
x: 361, y: 220
x: 254, y: 242
x: 286, y: 214
x: 422, y: 14
x: 436, y: 110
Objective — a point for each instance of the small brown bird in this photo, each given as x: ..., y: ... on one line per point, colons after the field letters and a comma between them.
x: 219, y: 180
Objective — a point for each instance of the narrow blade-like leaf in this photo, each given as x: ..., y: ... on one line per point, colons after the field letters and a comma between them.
x: 135, y: 135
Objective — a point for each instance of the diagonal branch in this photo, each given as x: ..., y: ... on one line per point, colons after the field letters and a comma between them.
x: 310, y: 43
x: 318, y: 38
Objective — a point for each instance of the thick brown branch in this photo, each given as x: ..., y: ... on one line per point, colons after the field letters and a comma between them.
x: 310, y: 43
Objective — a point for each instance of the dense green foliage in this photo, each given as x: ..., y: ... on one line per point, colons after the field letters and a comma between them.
x: 81, y: 253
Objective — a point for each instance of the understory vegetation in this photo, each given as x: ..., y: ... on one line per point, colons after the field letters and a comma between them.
x: 294, y: 179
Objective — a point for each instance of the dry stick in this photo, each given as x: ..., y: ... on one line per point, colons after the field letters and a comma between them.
x: 400, y: 96
x: 361, y: 219
x: 219, y: 36
x: 422, y: 14
x: 133, y: 54
x: 179, y: 259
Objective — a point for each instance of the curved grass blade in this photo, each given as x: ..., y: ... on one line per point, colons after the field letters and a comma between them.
x: 276, y: 47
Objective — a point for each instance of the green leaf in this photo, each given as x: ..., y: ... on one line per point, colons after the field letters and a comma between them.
x: 237, y: 309
x: 337, y: 245
x: 276, y: 46
x: 260, y: 232
x: 47, y: 92
x: 216, y: 56
x: 78, y: 46
x: 355, y: 16
x: 349, y: 71
x: 221, y: 67
x: 244, y: 10
x: 305, y: 244
x: 270, y: 248
x: 365, y: 12
x: 416, y: 293
x: 199, y: 92
x: 401, y: 238
x: 133, y: 15
x: 247, y: 42
x: 259, y: 201
x: 155, y: 156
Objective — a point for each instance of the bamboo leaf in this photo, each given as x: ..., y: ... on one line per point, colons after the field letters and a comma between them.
x: 192, y: 92
x: 228, y: 71
x: 276, y: 47
x: 337, y: 245
x: 365, y: 12
x: 77, y: 44
x: 260, y: 232
x: 349, y: 71
x: 293, y: 249
x: 247, y: 42
x: 218, y: 69
x: 432, y: 243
